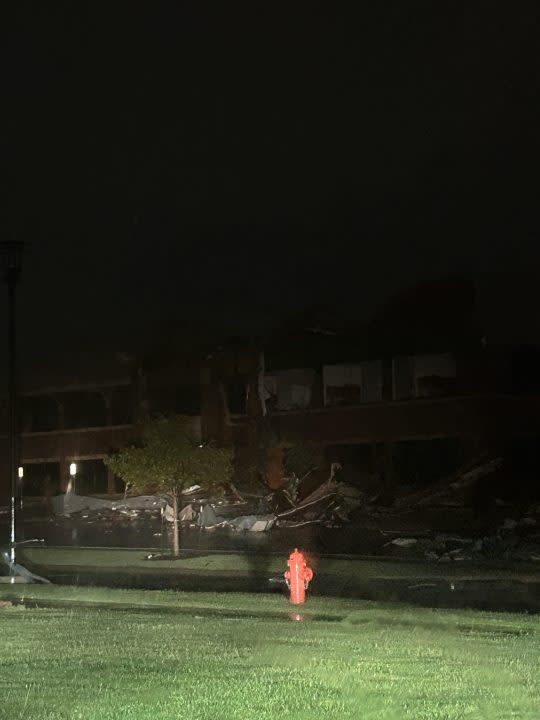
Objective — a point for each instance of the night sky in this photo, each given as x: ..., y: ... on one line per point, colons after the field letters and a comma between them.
x: 212, y: 168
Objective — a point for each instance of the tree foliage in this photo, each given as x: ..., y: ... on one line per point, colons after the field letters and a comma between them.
x: 170, y: 460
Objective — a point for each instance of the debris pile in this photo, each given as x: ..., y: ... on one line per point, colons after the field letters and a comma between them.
x: 512, y: 540
x: 458, y: 489
x: 477, y: 524
x: 70, y: 503
x: 330, y: 505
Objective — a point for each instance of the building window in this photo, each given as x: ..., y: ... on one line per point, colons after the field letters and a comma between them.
x: 41, y: 479
x: 352, y: 384
x: 423, y: 376
x: 91, y: 477
x: 39, y: 414
x: 122, y: 405
x: 84, y: 409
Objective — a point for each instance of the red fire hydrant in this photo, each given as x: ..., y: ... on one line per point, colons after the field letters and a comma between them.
x: 298, y: 577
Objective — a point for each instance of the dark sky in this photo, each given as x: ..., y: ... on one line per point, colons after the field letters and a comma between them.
x: 216, y: 166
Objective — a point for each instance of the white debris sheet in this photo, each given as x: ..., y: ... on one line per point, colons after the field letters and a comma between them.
x: 253, y: 523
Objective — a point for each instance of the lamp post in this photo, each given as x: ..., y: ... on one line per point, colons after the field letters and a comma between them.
x: 72, y: 476
x: 11, y: 252
x: 20, y: 475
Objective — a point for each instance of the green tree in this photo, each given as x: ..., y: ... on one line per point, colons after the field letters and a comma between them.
x: 169, y: 461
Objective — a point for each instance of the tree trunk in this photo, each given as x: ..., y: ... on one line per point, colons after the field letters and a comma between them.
x: 176, y: 526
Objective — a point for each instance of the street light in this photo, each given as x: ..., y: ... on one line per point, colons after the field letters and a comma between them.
x: 11, y: 254
x: 72, y: 474
x: 21, y: 476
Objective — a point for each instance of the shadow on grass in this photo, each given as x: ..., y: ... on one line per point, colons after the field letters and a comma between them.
x: 259, y: 571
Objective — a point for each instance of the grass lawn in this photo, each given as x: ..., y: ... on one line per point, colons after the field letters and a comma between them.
x: 137, y: 659
x: 103, y: 559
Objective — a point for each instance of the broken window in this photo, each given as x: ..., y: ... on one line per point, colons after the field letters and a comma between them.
x: 294, y: 388
x: 342, y: 384
x: 352, y: 384
x: 423, y: 376
x: 434, y: 375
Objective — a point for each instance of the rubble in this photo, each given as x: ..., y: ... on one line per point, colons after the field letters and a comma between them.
x: 207, y: 517
x: 167, y: 513
x: 453, y: 490
x: 513, y: 540
x: 329, y: 504
x: 253, y: 523
x: 140, y: 502
x: 186, y: 515
x: 504, y: 532
x: 70, y: 503
x: 402, y: 542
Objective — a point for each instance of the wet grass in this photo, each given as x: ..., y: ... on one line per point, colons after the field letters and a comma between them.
x: 377, y: 661
x: 248, y: 564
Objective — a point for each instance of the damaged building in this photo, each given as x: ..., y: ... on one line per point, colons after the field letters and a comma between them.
x: 87, y: 406
x: 432, y: 381
x: 319, y: 415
